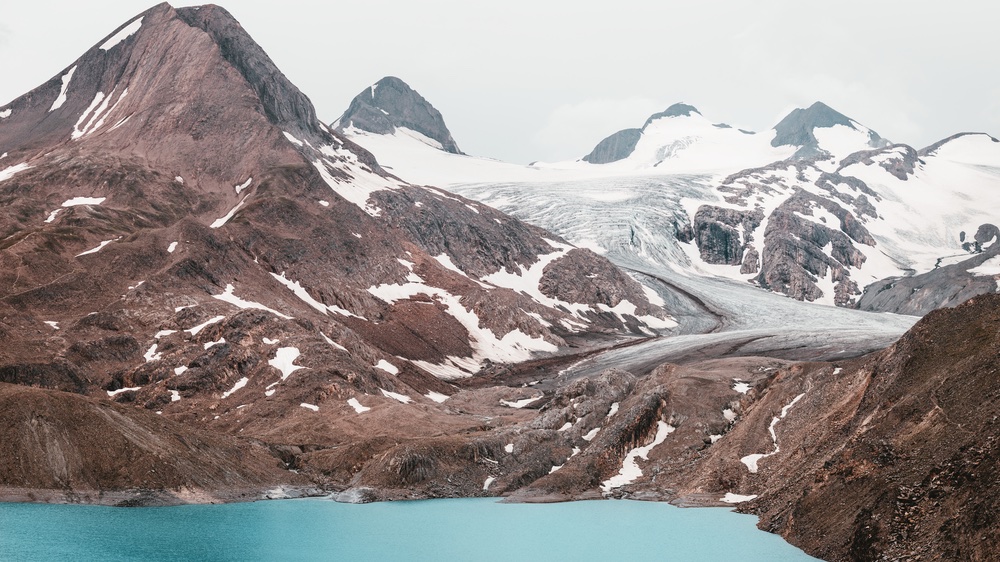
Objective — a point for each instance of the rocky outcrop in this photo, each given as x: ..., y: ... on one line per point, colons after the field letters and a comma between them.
x: 945, y: 286
x: 724, y: 235
x: 615, y: 147
x: 64, y: 447
x: 797, y: 129
x: 391, y: 103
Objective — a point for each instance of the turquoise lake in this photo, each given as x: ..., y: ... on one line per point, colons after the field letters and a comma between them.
x: 317, y: 529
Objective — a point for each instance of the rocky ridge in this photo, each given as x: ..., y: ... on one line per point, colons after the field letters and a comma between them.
x: 181, y: 234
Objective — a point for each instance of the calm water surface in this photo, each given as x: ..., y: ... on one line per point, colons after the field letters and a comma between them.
x: 316, y: 529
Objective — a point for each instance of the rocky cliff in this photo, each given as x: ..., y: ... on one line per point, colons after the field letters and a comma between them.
x: 391, y: 104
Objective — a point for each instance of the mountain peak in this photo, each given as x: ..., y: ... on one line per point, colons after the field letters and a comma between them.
x: 798, y: 129
x: 391, y: 103
x: 675, y: 110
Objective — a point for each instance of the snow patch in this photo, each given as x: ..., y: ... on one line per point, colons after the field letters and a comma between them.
x: 589, y: 436
x: 437, y: 396
x: 152, y: 355
x: 741, y: 386
x: 214, y: 343
x: 509, y: 447
x: 194, y: 331
x: 395, y: 396
x: 83, y: 201
x: 387, y: 367
x: 353, y: 402
x: 113, y: 393
x: 239, y: 384
x: 62, y: 92
x: 613, y: 410
x: 988, y: 268
x: 223, y: 220
x: 180, y: 370
x: 175, y: 396
x: 308, y: 406
x: 122, y: 35
x: 304, y: 296
x: 171, y: 247
x: 99, y: 247
x: 243, y: 185
x: 228, y: 296
x: 52, y: 324
x: 163, y: 333
x: 630, y: 470
x: 9, y: 171
x: 736, y: 498
x: 521, y: 403
x: 284, y: 359
x: 489, y: 481
x: 751, y: 460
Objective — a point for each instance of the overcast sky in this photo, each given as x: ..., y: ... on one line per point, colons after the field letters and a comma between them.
x: 531, y: 80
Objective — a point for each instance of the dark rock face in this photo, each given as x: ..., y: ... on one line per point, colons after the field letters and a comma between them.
x: 945, y: 286
x: 901, y: 165
x: 621, y: 144
x: 796, y: 129
x: 675, y: 110
x: 724, y: 234
x: 615, y: 147
x: 391, y: 103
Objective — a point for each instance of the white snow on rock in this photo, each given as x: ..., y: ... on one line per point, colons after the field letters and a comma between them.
x: 741, y: 386
x: 400, y: 397
x: 613, y: 410
x: 589, y: 436
x: 180, y: 370
x: 751, y: 460
x: 555, y: 468
x: 489, y: 481
x: 284, y: 361
x: 988, y: 268
x: 630, y: 470
x: 228, y: 296
x: 308, y: 406
x: 175, y: 396
x: 114, y: 393
x: 353, y: 402
x: 52, y: 324
x: 5, y: 114
x: 736, y: 498
x: 269, y: 341
x: 303, y: 295
x: 152, y: 355
x: 52, y: 215
x: 729, y: 414
x: 566, y: 426
x: 243, y: 185
x: 358, y: 187
x: 214, y: 343
x: 436, y: 396
x: 513, y: 347
x: 387, y: 367
x: 333, y: 343
x: 324, y: 202
x: 219, y: 222
x: 194, y: 331
x: 171, y: 247
x: 99, y: 247
x: 62, y: 92
x: 83, y: 201
x: 291, y: 138
x: 509, y: 447
x: 121, y: 35
x: 179, y: 179
x: 239, y: 384
x: 521, y: 403
x: 98, y: 112
x: 8, y: 172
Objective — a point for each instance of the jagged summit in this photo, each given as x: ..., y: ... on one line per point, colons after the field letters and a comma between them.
x: 390, y: 104
x: 798, y: 129
x: 675, y: 110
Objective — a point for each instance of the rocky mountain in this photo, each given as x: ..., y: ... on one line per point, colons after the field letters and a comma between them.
x: 180, y: 233
x: 390, y: 106
x: 681, y: 139
x: 823, y: 229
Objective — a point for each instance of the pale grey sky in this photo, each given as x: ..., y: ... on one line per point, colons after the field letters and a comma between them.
x: 524, y: 80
